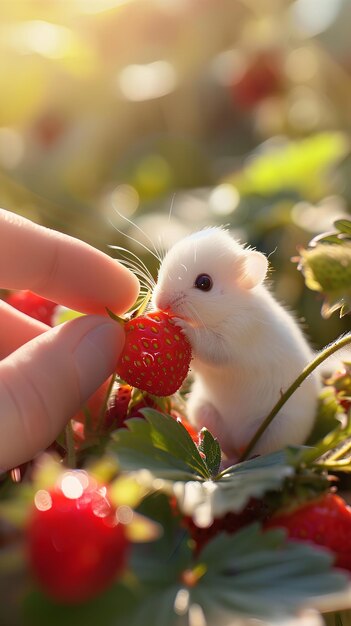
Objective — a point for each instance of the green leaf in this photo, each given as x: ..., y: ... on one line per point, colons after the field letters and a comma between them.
x: 134, y: 454
x: 177, y: 462
x: 330, y: 237
x: 332, y: 452
x: 160, y: 444
x: 157, y: 609
x: 170, y: 436
x: 263, y: 575
x: 344, y: 226
x: 328, y: 416
x: 233, y: 488
x: 249, y: 574
x: 157, y: 507
x: 293, y: 165
x: 209, y: 446
x: 15, y: 509
x: 111, y: 608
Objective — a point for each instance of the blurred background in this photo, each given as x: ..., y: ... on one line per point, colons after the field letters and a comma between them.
x: 177, y: 114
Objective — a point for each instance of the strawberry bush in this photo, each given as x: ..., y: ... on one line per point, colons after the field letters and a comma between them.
x: 133, y: 517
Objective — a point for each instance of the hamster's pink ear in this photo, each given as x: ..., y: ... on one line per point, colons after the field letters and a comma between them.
x: 254, y: 269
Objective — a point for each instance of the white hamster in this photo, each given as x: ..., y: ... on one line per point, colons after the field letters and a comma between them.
x: 247, y: 348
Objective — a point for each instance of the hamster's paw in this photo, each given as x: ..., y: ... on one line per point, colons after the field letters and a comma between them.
x: 188, y: 331
x: 184, y: 326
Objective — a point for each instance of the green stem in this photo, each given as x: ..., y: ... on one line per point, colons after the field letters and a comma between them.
x: 103, y: 409
x: 340, y: 452
x: 71, y: 451
x: 322, y: 356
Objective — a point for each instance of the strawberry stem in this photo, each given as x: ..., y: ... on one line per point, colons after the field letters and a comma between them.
x: 103, y: 409
x: 114, y: 317
x: 71, y: 459
x: 320, y: 358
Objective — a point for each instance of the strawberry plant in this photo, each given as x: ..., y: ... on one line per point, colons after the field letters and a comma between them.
x: 136, y: 518
x: 326, y: 265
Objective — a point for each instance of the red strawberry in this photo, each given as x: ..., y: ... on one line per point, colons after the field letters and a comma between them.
x: 117, y: 413
x: 127, y: 403
x: 146, y: 402
x: 325, y: 522
x: 76, y: 546
x: 156, y: 355
x: 261, y: 79
x: 33, y: 305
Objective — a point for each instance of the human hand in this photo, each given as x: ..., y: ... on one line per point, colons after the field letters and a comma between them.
x: 47, y: 374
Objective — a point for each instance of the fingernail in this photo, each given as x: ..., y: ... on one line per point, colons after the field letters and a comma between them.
x: 96, y: 355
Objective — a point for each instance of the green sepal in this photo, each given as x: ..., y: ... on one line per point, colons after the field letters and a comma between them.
x: 114, y: 317
x: 210, y: 447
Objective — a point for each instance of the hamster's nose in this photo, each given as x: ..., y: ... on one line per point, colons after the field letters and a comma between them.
x: 159, y: 300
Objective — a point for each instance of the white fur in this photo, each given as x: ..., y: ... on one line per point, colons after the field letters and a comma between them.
x: 247, y: 348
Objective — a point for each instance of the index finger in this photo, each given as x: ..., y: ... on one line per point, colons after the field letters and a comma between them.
x: 62, y: 268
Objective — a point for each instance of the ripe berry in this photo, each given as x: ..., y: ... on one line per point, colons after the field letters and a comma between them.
x: 325, y: 522
x: 33, y: 305
x: 261, y: 79
x: 156, y: 355
x: 117, y: 413
x: 76, y: 546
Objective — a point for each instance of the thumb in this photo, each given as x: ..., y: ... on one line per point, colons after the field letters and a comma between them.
x: 45, y: 382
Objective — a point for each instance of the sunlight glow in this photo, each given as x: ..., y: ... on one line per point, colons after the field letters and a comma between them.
x: 72, y: 485
x: 11, y: 148
x: 314, y: 16
x: 99, y: 6
x: 125, y: 198
x: 49, y: 40
x: 228, y: 67
x: 124, y: 514
x: 181, y: 602
x: 197, y: 616
x: 224, y: 199
x: 148, y: 81
x: 101, y: 506
x: 43, y: 500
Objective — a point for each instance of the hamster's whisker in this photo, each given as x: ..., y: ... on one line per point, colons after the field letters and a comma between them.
x: 138, y: 262
x: 154, y: 252
x: 171, y: 207
x: 161, y: 249
x: 137, y: 266
x: 144, y: 280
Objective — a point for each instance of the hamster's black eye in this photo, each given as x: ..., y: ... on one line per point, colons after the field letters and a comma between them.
x: 203, y: 282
